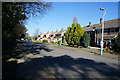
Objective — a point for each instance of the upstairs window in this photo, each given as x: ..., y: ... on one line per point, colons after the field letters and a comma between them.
x: 105, y: 30
x: 44, y: 36
x: 116, y: 29
x: 113, y: 30
x: 99, y: 31
x: 58, y: 35
x: 51, y: 35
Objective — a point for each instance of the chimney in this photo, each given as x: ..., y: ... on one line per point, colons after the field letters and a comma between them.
x: 100, y: 20
x: 61, y: 29
x: 90, y: 23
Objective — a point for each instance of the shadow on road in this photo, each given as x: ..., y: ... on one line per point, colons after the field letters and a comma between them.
x: 69, y: 67
x: 32, y: 70
x: 82, y: 66
x: 64, y: 66
x: 10, y: 67
x: 34, y: 48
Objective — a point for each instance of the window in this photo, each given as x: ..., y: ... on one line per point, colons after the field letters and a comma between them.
x: 116, y: 29
x: 51, y: 35
x: 112, y: 30
x: 119, y: 29
x: 58, y: 35
x: 64, y: 34
x: 105, y: 30
x: 99, y: 31
x: 44, y: 35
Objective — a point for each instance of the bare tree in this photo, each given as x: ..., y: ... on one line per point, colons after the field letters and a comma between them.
x: 75, y: 20
x: 36, y: 34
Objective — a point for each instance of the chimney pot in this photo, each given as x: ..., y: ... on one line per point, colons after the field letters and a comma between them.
x: 100, y: 20
x: 90, y: 23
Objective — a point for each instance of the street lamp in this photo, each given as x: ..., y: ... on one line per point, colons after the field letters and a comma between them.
x: 102, y: 9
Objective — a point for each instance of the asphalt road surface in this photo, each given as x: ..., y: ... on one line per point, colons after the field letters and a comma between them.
x: 70, y: 63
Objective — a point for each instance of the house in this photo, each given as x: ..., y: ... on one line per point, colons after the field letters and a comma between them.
x: 111, y: 30
x: 60, y: 35
x: 42, y: 36
x: 53, y: 36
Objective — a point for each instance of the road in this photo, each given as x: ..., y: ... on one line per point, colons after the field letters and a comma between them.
x: 71, y: 63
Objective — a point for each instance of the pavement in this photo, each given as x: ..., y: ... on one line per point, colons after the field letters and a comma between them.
x: 92, y: 50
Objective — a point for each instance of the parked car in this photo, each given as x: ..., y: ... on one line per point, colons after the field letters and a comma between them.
x: 28, y: 40
x: 22, y: 40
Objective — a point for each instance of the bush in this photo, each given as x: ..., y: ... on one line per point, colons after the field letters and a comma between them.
x: 74, y: 34
x: 106, y: 50
x: 35, y: 38
x: 116, y: 43
x: 52, y: 42
x: 45, y: 41
x: 40, y: 41
x: 86, y: 40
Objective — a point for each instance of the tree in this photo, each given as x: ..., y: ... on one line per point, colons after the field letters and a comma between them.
x: 116, y: 43
x: 16, y: 13
x: 86, y: 39
x: 36, y: 34
x: 75, y: 20
x: 68, y: 36
x: 74, y: 34
x: 20, y: 31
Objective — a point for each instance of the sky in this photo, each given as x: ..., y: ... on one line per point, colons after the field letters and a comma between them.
x: 61, y: 15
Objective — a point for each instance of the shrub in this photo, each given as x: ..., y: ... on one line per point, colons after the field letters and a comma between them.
x: 40, y: 41
x: 116, y: 43
x: 45, y: 41
x: 52, y: 42
x: 86, y: 40
x: 106, y: 50
x: 74, y: 34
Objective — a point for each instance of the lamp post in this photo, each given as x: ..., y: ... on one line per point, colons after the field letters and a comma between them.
x: 102, y: 9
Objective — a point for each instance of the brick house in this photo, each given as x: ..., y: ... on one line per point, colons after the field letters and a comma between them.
x: 111, y: 30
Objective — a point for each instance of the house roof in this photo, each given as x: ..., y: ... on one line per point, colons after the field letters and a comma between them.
x: 48, y: 33
x: 52, y: 33
x: 107, y: 37
x: 42, y: 33
x: 61, y: 31
x: 107, y: 24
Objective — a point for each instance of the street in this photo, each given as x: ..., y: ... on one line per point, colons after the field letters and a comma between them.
x: 59, y: 40
x: 64, y: 63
